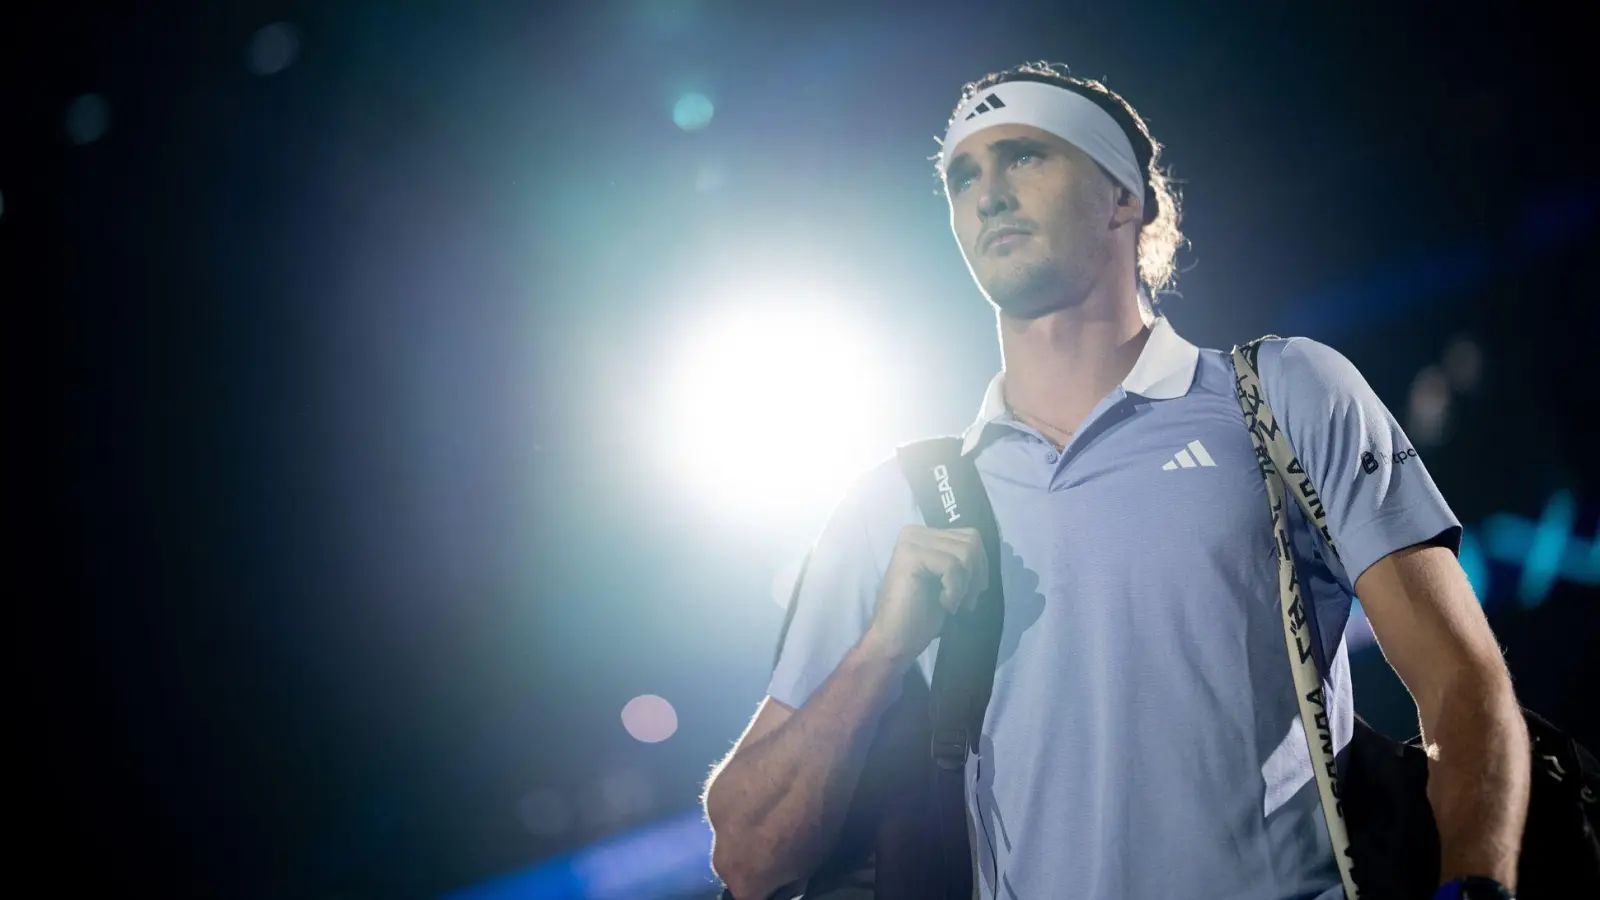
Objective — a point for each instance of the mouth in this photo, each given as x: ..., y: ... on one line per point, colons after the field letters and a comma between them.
x: 1001, y: 239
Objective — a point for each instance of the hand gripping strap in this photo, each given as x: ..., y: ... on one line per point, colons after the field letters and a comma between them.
x: 1278, y: 466
x: 950, y: 495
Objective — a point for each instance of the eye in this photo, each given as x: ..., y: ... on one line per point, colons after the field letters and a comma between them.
x: 1026, y: 157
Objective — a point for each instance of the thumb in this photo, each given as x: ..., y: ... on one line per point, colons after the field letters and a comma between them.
x: 956, y: 583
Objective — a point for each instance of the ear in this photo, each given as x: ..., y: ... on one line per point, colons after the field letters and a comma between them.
x: 1128, y: 208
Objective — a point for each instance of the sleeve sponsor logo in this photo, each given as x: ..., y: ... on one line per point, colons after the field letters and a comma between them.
x: 1370, y: 462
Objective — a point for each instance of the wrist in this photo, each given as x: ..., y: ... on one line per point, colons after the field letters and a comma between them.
x: 1473, y: 888
x: 881, y: 651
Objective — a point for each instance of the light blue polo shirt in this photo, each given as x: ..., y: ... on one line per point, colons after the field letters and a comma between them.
x: 1143, y: 739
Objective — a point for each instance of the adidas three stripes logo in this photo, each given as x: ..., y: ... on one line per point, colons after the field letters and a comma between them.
x: 1189, y: 457
x: 989, y: 103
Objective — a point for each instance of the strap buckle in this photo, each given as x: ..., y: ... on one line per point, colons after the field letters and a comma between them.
x: 950, y: 748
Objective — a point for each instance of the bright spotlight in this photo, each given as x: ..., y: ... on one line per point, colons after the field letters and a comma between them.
x: 776, y: 411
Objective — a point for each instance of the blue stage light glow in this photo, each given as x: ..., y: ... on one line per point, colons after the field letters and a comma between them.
x: 1542, y: 552
x: 665, y: 859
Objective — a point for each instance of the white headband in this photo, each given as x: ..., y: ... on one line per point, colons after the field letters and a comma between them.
x: 1066, y: 114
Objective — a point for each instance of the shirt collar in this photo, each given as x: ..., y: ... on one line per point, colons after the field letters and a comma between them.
x: 1164, y: 371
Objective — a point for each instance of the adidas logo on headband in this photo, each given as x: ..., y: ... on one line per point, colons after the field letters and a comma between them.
x: 989, y: 102
x: 1063, y: 112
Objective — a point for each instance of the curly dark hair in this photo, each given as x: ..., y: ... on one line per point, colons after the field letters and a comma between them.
x: 1159, y: 237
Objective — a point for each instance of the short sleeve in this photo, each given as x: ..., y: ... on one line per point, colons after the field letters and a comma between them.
x: 839, y: 587
x: 1377, y: 492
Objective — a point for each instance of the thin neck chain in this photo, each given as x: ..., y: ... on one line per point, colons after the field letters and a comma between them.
x: 1050, y: 430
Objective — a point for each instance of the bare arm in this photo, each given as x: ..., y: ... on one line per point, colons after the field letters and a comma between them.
x: 1433, y: 633
x: 777, y: 803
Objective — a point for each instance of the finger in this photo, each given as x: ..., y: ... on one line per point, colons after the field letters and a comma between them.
x: 954, y: 595
x: 953, y: 577
x: 970, y: 556
x: 964, y: 550
x: 924, y: 536
x: 953, y: 540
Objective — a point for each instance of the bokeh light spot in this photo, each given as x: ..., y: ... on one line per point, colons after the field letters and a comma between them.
x: 649, y: 719
x: 273, y: 49
x: 622, y: 796
x: 1464, y: 363
x: 709, y: 179
x: 544, y: 813
x: 88, y: 117
x: 692, y: 111
x: 1429, y: 409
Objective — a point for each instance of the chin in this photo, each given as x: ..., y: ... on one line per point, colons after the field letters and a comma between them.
x: 1029, y: 308
x: 1027, y: 293
x: 1026, y: 304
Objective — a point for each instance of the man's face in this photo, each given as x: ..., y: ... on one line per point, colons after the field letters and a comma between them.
x: 1033, y: 215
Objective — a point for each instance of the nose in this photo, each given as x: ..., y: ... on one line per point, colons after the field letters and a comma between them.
x: 995, y: 197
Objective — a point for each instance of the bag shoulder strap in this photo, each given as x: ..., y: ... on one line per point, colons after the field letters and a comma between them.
x: 950, y: 494
x: 1281, y: 452
x: 1278, y: 464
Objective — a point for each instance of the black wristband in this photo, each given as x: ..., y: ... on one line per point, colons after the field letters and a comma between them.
x: 1473, y: 887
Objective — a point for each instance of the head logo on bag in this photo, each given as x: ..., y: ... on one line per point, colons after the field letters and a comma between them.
x: 946, y: 496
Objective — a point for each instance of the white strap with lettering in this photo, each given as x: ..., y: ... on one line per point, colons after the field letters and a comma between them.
x: 1278, y: 466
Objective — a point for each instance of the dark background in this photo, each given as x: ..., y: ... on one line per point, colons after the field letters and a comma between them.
x: 343, y: 517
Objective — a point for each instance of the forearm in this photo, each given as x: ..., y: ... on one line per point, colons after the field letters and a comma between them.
x: 777, y: 805
x: 1478, y: 775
